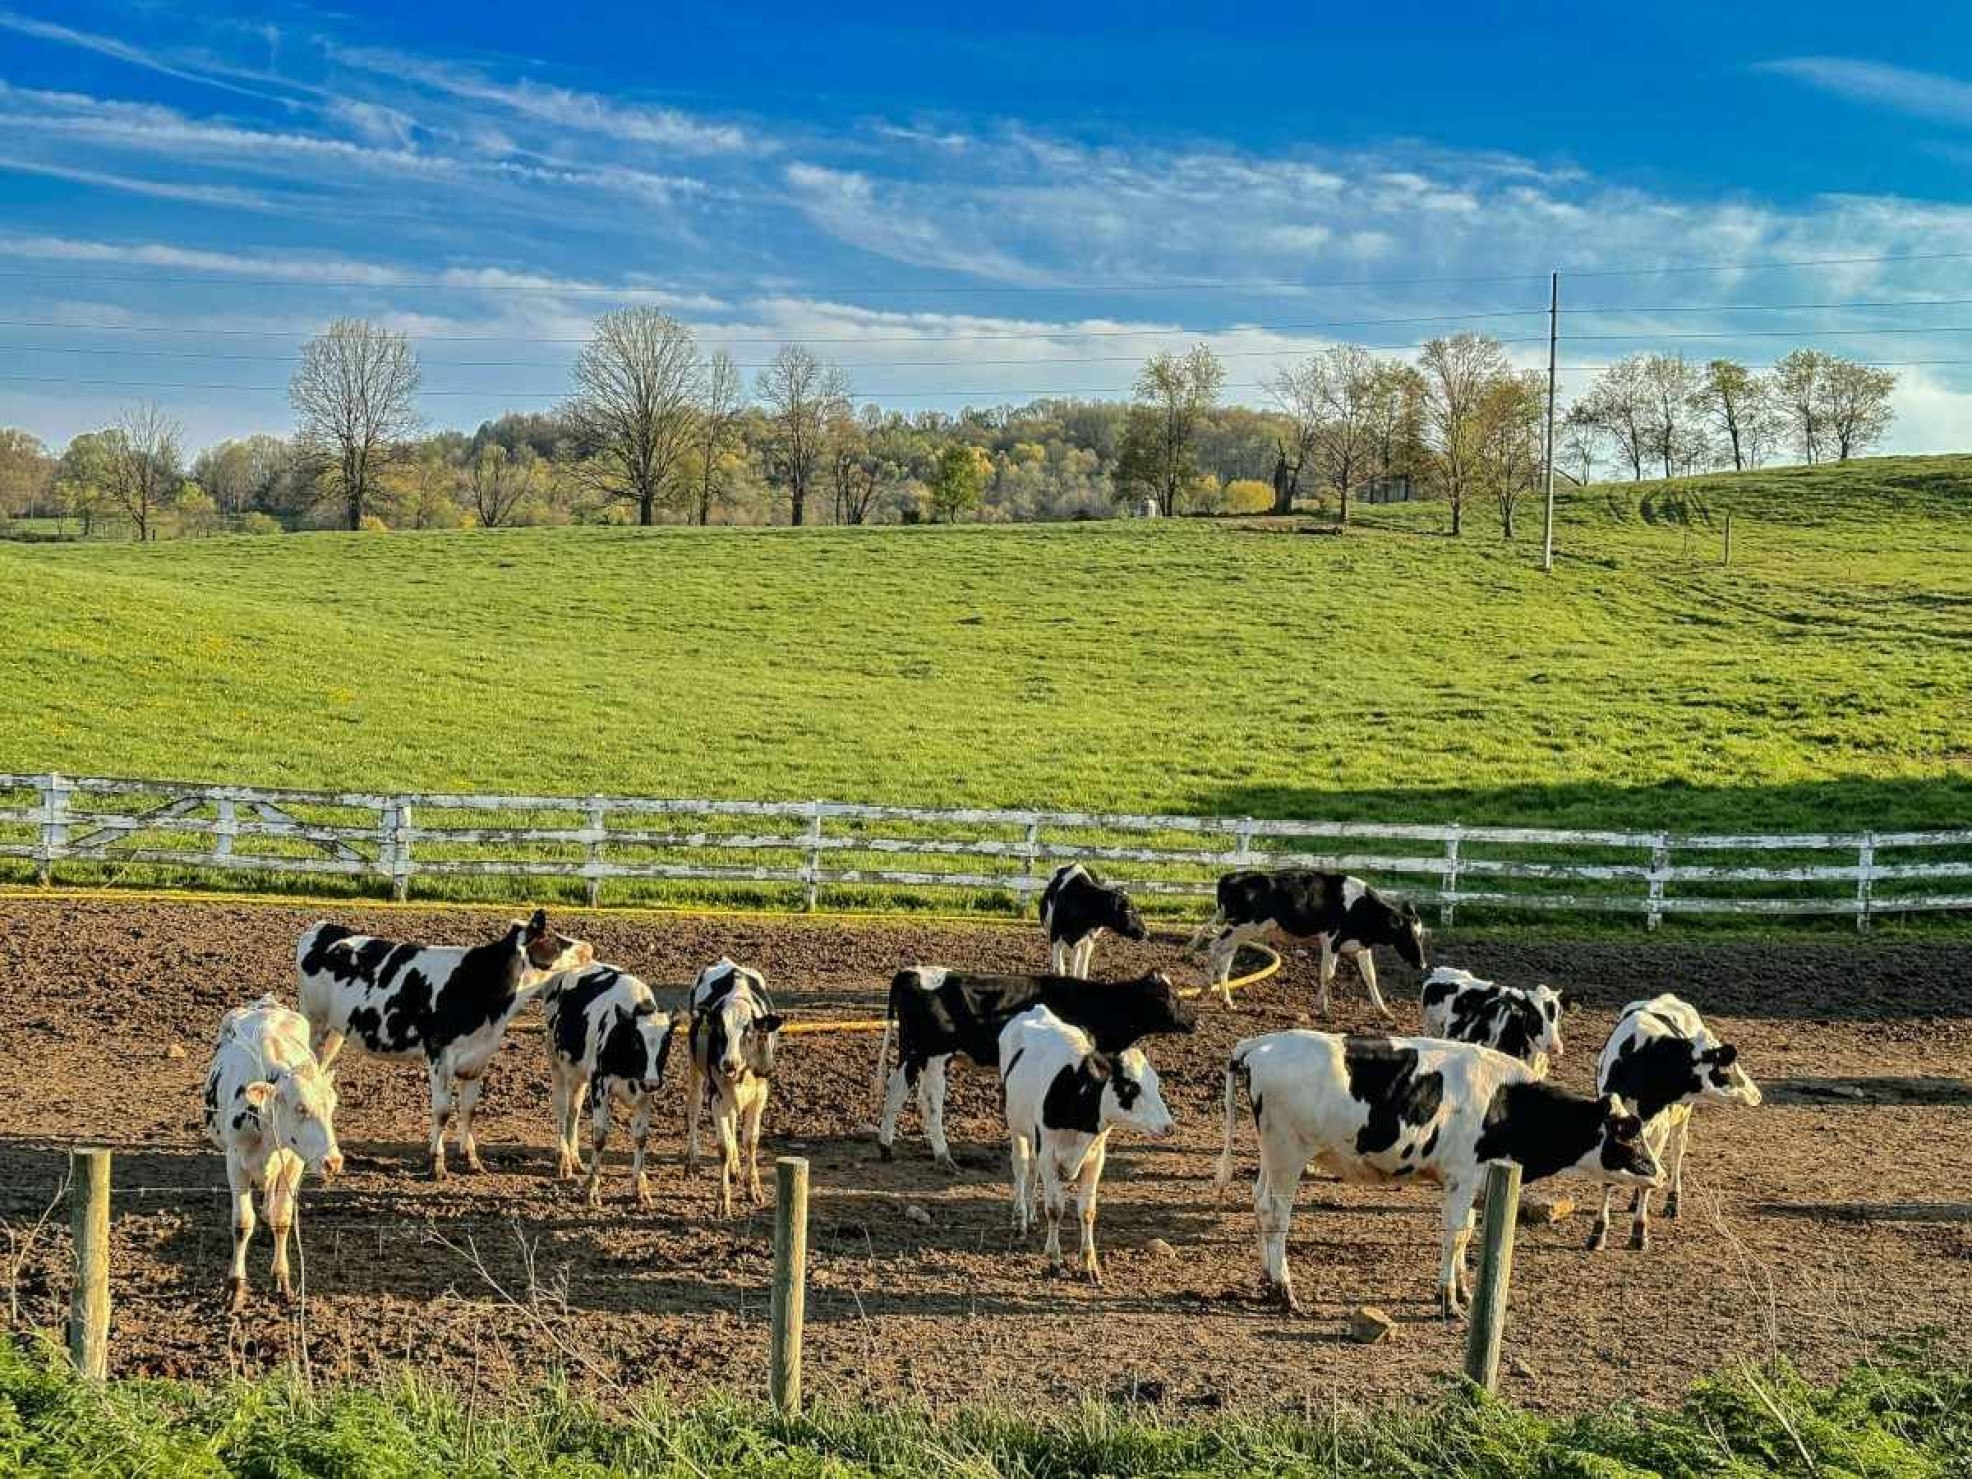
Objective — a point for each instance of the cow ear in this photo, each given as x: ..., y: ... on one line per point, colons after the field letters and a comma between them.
x: 1099, y: 1066
x: 769, y: 1023
x: 646, y: 1009
x: 537, y: 926
x: 1725, y: 1055
x: 1570, y: 1001
x: 259, y: 1095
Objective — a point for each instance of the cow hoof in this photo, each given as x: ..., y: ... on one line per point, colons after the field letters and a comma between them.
x: 438, y: 1170
x: 236, y: 1291
x: 1671, y: 1206
x: 1598, y: 1239
x: 1640, y: 1239
x: 475, y: 1166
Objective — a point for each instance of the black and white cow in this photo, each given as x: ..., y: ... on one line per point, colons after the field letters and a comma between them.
x: 1380, y: 1109
x: 934, y: 1013
x: 1076, y: 908
x: 1522, y: 1022
x: 1664, y: 1059
x: 271, y: 1108
x: 1344, y: 914
x: 1062, y: 1100
x: 734, y: 1034
x: 607, y: 1044
x: 448, y: 1005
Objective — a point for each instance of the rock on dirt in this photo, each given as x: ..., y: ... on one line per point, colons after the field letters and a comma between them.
x: 1158, y: 1248
x: 1520, y: 1369
x: 1368, y: 1325
x: 1543, y: 1212
x: 175, y: 1051
x: 917, y: 1214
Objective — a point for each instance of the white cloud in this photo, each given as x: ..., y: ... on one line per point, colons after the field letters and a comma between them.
x: 229, y: 196
x: 124, y: 51
x: 1902, y: 89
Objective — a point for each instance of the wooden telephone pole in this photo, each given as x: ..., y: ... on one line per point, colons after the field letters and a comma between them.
x: 1553, y: 338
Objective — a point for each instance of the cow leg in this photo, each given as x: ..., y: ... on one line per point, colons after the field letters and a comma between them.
x: 1273, y: 1211
x: 1599, y: 1234
x: 282, y: 1198
x: 242, y: 1187
x: 694, y: 1090
x: 931, y: 1105
x: 639, y: 1133
x: 565, y: 1156
x: 1640, y: 1220
x: 1054, y: 1201
x: 725, y: 1120
x: 894, y: 1094
x: 1218, y: 962
x: 751, y: 1110
x: 1366, y: 963
x: 1085, y: 955
x: 469, y: 1091
x: 1058, y: 957
x: 1327, y: 973
x: 1454, y: 1289
x: 1674, y: 1198
x: 598, y: 1138
x: 1023, y: 1177
x: 441, y: 1114
x: 1086, y: 1181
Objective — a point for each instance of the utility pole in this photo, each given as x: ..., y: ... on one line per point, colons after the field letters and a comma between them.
x: 1553, y: 338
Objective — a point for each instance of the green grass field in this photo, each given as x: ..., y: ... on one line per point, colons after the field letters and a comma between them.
x: 1902, y: 1419
x: 1824, y: 679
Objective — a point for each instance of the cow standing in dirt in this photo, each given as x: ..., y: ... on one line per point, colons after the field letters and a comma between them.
x: 607, y: 1045
x: 734, y: 1034
x: 1339, y: 911
x: 1077, y: 909
x: 448, y: 1005
x: 270, y: 1106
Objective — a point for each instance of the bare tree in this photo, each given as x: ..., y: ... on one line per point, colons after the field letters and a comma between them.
x: 144, y: 468
x: 1581, y: 439
x: 721, y: 403
x: 633, y: 411
x: 1673, y: 385
x: 1396, y: 418
x: 500, y: 481
x: 356, y: 393
x: 1732, y: 397
x: 1511, y: 421
x: 1618, y: 403
x: 1797, y: 383
x: 1456, y: 372
x: 803, y: 394
x: 1856, y: 405
x: 1173, y: 394
x: 1330, y: 398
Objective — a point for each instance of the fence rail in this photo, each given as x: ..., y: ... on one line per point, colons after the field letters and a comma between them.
x: 810, y: 846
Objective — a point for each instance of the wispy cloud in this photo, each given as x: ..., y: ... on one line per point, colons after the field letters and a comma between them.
x: 230, y: 196
x: 1905, y: 90
x: 124, y: 51
x: 561, y: 107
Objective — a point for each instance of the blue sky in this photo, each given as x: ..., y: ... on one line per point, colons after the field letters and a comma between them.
x: 972, y: 210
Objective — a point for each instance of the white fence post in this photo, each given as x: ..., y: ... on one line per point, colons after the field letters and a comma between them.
x: 400, y: 848
x: 226, y: 830
x: 814, y: 853
x: 595, y: 858
x: 1865, y: 873
x: 1448, y: 905
x: 1029, y: 861
x: 54, y: 825
x: 1660, y: 861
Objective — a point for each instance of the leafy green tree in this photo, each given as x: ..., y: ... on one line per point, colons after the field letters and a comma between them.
x: 1173, y: 395
x: 958, y: 481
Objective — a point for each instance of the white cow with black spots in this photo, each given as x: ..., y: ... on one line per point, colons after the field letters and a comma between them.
x: 1664, y: 1058
x: 271, y: 1108
x: 1062, y: 1100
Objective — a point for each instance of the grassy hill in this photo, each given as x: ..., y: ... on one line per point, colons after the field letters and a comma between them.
x: 1823, y: 679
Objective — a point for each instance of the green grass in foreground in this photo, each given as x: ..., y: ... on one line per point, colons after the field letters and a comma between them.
x: 1822, y: 680
x: 1906, y: 1419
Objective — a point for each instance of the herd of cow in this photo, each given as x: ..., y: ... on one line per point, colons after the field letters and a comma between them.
x: 1442, y: 1107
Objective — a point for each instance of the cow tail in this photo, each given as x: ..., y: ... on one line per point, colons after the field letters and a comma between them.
x: 1211, y: 927
x: 1222, y: 1173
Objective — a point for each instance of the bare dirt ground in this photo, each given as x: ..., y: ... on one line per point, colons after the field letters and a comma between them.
x: 1835, y: 1218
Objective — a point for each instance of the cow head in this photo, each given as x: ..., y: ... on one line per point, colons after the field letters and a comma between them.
x: 300, y: 1106
x: 1409, y: 941
x: 1550, y: 1004
x: 548, y: 952
x: 1130, y: 1095
x: 1122, y: 916
x: 654, y: 1029
x: 1720, y: 1078
x: 1621, y: 1156
x: 1163, y: 1009
x: 744, y: 1031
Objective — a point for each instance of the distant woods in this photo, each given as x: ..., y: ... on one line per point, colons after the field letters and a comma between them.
x: 656, y: 430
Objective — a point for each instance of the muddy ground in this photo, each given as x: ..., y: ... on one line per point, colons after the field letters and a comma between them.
x: 1835, y: 1218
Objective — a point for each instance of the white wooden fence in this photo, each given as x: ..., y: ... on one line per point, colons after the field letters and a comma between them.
x: 101, y: 826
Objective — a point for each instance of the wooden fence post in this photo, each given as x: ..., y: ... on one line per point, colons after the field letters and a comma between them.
x: 790, y: 1295
x: 1727, y: 558
x: 1865, y: 869
x: 814, y: 853
x: 54, y: 825
x: 227, y: 829
x: 1448, y: 890
x: 89, y: 1309
x: 1488, y: 1313
x: 1660, y: 861
x: 1030, y: 859
x: 595, y: 849
x: 400, y: 848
